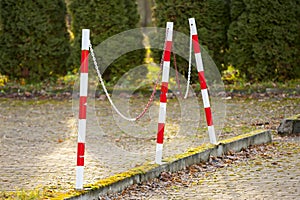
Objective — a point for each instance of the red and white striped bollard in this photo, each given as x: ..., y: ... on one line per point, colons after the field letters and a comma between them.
x: 204, y: 92
x: 163, y: 94
x: 82, y: 107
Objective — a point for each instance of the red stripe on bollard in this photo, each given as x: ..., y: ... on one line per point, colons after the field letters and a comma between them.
x: 208, y: 116
x: 167, y: 55
x: 163, y: 98
x: 164, y: 87
x: 84, y: 61
x: 80, y: 154
x: 160, y: 133
x: 82, y: 107
x: 196, y: 44
x: 168, y: 46
x: 202, y: 80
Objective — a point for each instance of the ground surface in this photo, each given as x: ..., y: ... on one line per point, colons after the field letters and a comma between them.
x: 39, y: 138
x: 261, y: 172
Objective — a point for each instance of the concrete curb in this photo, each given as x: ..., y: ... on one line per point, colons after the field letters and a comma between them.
x: 146, y: 172
x: 290, y: 126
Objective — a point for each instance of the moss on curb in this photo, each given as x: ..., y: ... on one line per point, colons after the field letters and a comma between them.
x: 295, y: 117
x: 204, y: 147
x: 121, y: 176
x: 49, y: 193
x: 252, y: 133
x: 147, y: 167
x: 190, y: 152
x: 106, y: 182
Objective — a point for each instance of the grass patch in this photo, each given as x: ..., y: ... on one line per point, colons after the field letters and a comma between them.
x: 23, y: 194
x: 289, y: 86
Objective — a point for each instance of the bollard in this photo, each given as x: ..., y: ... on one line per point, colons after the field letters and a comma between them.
x: 82, y: 107
x: 163, y: 94
x: 204, y: 92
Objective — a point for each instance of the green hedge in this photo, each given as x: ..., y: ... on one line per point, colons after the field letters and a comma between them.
x: 105, y: 19
x: 34, y: 42
x: 212, y: 19
x: 258, y: 37
x: 264, y: 39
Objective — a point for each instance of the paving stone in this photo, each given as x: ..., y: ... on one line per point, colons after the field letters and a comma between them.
x: 38, y: 139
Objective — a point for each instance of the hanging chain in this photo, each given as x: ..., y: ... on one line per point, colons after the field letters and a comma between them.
x: 109, y: 98
x: 189, y: 72
x: 190, y: 69
x: 157, y: 80
x: 103, y: 86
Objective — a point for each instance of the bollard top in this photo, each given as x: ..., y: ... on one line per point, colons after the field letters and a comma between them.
x: 170, y: 31
x: 85, y: 42
x: 193, y: 26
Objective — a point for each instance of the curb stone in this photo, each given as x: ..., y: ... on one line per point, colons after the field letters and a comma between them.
x: 118, y: 182
x: 290, y: 126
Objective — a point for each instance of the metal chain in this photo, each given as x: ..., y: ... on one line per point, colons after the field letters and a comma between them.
x: 189, y: 72
x: 107, y: 95
x: 190, y: 69
x: 157, y: 80
x: 103, y: 86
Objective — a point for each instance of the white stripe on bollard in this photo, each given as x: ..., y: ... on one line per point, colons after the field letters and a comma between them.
x: 205, y: 98
x: 79, y: 175
x: 81, y: 130
x: 212, y: 134
x: 166, y: 69
x: 162, y: 113
x: 199, y: 63
x: 85, y: 41
x: 83, y: 84
x: 159, y: 149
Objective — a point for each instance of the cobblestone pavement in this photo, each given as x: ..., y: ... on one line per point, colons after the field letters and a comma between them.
x: 38, y: 138
x: 273, y: 178
x: 263, y: 172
